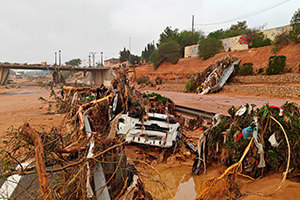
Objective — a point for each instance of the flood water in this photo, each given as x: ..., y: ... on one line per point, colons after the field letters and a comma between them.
x: 25, y: 90
x: 182, y: 184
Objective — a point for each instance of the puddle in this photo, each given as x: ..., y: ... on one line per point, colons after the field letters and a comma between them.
x: 25, y: 90
x: 18, y: 93
x: 182, y: 184
x: 51, y: 114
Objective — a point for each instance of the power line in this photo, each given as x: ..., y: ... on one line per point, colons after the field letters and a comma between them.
x: 253, y: 13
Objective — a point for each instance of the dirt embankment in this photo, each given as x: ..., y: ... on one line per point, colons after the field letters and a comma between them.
x: 187, y: 66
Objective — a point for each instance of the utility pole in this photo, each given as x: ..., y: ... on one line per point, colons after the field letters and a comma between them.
x: 192, y: 28
x: 129, y: 49
x: 55, y: 58
x: 59, y: 57
x: 101, y: 59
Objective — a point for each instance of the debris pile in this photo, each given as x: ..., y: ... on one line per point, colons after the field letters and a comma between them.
x: 213, y: 77
x: 219, y: 75
x: 85, y: 157
x: 252, y: 141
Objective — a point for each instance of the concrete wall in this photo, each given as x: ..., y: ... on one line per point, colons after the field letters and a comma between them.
x: 234, y: 43
x: 271, y: 33
x: 191, y: 51
x: 237, y: 43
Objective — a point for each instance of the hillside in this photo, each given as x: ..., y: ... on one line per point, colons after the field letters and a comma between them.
x: 187, y: 66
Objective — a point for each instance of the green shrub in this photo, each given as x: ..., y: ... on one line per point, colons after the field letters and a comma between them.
x: 295, y: 27
x: 191, y: 86
x: 246, y: 69
x: 169, y: 51
x: 209, y: 47
x: 236, y: 69
x: 143, y: 79
x: 260, y: 70
x: 261, y: 41
x: 281, y: 40
x: 276, y: 65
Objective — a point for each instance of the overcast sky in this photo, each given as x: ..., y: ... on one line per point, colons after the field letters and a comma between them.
x: 33, y: 30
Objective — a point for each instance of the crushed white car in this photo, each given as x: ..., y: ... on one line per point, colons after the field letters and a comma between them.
x: 159, y: 130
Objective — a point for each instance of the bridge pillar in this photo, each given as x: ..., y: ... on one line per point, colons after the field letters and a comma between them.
x: 101, y: 77
x: 4, y: 72
x: 98, y: 77
x: 107, y: 76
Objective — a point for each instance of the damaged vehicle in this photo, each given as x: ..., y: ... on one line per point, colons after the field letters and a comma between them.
x: 158, y: 130
x: 218, y: 77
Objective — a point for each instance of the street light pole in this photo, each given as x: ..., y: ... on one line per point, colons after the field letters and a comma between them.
x: 59, y: 57
x: 130, y: 49
x: 101, y: 59
x: 55, y: 58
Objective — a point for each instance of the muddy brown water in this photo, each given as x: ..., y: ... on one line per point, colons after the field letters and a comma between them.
x: 180, y: 181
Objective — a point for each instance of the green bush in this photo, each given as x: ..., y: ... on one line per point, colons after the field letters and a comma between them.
x: 143, y: 79
x: 276, y: 65
x: 260, y: 70
x: 261, y: 41
x: 209, y: 47
x: 295, y: 24
x: 191, y: 86
x: 281, y: 40
x: 236, y: 69
x: 169, y: 51
x: 246, y: 69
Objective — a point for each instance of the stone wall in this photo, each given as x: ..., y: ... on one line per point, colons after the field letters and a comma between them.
x: 274, y: 91
x: 271, y: 79
x: 285, y: 85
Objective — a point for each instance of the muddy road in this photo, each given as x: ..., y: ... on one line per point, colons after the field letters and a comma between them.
x: 220, y: 102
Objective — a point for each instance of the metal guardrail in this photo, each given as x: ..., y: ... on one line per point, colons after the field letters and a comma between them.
x: 194, y: 111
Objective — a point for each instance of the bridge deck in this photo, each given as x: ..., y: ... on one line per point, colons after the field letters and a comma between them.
x: 44, y: 67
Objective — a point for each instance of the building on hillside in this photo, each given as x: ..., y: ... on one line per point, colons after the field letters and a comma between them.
x: 113, y: 62
x: 237, y: 43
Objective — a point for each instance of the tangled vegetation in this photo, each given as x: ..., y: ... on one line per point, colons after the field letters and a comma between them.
x: 252, y: 141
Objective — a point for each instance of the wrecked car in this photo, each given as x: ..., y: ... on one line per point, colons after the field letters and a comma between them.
x: 159, y: 130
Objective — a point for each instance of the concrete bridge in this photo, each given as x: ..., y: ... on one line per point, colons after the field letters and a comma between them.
x: 96, y: 76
